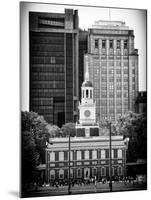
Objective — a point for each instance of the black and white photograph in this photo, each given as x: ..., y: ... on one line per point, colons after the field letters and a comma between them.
x: 83, y: 72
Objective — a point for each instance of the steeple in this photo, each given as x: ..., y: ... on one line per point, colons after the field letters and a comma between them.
x: 87, y: 82
x: 87, y: 73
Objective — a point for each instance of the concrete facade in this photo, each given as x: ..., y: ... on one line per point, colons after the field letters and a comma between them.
x: 113, y: 68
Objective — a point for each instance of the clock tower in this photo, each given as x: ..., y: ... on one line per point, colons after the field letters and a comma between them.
x: 87, y: 107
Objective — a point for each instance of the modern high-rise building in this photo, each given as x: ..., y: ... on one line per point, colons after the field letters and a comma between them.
x: 54, y: 65
x: 113, y: 68
x: 83, y: 47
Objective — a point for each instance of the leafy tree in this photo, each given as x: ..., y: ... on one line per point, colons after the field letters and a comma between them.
x: 32, y: 122
x: 134, y: 126
x: 30, y: 157
x: 68, y: 129
x: 34, y: 135
x: 53, y: 130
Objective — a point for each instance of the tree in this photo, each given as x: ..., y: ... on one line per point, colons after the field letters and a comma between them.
x: 68, y: 129
x: 32, y: 122
x: 34, y: 135
x: 53, y: 130
x: 29, y: 157
x: 134, y: 126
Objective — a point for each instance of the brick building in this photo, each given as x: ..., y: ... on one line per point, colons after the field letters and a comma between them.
x: 89, y: 152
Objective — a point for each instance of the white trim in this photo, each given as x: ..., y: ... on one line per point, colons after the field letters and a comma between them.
x: 104, y: 171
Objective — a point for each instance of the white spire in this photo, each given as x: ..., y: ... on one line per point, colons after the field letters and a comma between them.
x: 86, y: 72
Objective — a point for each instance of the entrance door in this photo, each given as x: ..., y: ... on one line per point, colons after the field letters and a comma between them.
x: 86, y: 173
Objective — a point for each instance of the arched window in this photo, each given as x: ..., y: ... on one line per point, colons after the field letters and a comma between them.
x: 91, y: 94
x: 52, y: 174
x: 87, y: 92
x: 61, y: 173
x: 112, y: 171
x: 103, y: 171
x: 119, y: 170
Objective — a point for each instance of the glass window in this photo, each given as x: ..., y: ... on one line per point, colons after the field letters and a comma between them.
x: 119, y: 170
x: 86, y: 155
x: 61, y: 156
x: 125, y: 44
x: 61, y: 173
x: 112, y: 171
x: 71, y: 173
x: 133, y: 71
x: 79, y: 173
x: 103, y: 171
x: 94, y: 154
x: 119, y: 153
x: 52, y: 156
x: 94, y: 172
x: 71, y: 155
x: 103, y: 44
x: 96, y: 44
x: 102, y: 154
x: 111, y: 44
x: 112, y: 153
x: 87, y: 93
x: 118, y: 44
x: 52, y: 174
x: 78, y: 155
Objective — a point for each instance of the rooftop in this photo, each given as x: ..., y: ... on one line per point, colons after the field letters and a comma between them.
x: 107, y: 24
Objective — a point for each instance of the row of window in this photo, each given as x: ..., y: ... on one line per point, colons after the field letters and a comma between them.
x: 63, y: 155
x: 111, y: 44
x: 63, y: 173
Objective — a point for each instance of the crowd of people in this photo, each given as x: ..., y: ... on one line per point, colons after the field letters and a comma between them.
x: 84, y: 182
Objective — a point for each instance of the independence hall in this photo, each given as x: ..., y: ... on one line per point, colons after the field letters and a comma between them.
x: 82, y: 77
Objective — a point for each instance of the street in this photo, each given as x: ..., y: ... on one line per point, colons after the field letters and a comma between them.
x: 85, y: 189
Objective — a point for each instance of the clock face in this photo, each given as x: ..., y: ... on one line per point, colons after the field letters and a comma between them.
x: 87, y: 113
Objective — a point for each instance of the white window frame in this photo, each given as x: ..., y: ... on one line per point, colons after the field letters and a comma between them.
x: 71, y: 173
x: 80, y: 173
x: 120, y: 168
x: 52, y: 156
x: 94, y: 154
x: 61, y: 172
x: 102, y: 171
x: 52, y: 172
x: 71, y: 155
x: 61, y: 156
x: 119, y: 153
x: 103, y: 154
x: 112, y: 171
x: 86, y: 155
x: 93, y: 169
x: 112, y: 153
x: 79, y: 156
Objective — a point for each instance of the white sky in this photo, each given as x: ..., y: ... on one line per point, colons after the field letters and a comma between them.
x: 135, y: 19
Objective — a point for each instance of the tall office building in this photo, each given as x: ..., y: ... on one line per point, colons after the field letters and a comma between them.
x: 54, y: 65
x: 83, y: 47
x: 113, y: 68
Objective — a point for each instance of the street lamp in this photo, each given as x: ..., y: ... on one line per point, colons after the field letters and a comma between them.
x: 69, y: 185
x: 126, y: 141
x: 110, y: 161
x: 110, y: 153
